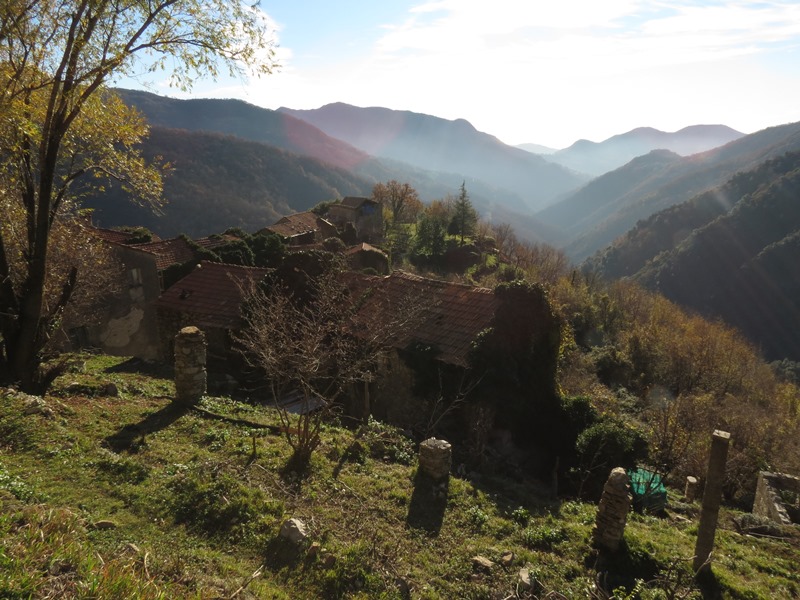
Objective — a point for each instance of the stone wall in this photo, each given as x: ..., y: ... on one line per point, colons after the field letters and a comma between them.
x: 768, y: 502
x: 127, y: 327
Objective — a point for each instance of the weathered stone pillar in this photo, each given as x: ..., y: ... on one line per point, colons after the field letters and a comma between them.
x: 435, y: 458
x: 190, y: 365
x: 712, y: 497
x: 690, y: 491
x: 612, y: 514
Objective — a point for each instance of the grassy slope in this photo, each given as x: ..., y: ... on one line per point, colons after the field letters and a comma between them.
x: 196, y: 513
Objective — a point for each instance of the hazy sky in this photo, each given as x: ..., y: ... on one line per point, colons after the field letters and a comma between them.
x: 541, y: 71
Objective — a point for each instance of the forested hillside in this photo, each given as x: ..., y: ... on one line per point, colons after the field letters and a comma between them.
x: 729, y: 253
x: 220, y: 181
x: 676, y: 182
x: 666, y: 229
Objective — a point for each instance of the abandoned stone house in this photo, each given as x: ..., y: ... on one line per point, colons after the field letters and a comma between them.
x: 364, y: 215
x: 366, y: 256
x: 210, y: 298
x: 436, y: 377
x: 302, y: 229
x: 129, y: 325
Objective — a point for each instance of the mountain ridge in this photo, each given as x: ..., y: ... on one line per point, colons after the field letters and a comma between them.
x: 597, y: 158
x: 649, y: 192
x: 442, y: 145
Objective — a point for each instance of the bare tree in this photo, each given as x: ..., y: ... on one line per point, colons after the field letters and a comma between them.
x: 320, y: 344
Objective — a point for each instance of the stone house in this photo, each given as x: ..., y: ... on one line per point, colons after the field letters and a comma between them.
x: 365, y: 256
x: 467, y: 353
x: 210, y: 298
x: 129, y: 325
x: 364, y: 215
x: 303, y: 228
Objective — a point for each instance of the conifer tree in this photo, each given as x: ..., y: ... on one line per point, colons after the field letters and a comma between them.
x: 465, y: 219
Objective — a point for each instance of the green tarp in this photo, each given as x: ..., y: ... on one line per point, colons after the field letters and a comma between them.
x: 649, y: 493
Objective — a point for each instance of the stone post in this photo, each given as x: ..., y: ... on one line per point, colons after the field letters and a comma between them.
x: 190, y: 365
x: 435, y: 458
x: 690, y: 491
x: 612, y: 514
x: 712, y: 497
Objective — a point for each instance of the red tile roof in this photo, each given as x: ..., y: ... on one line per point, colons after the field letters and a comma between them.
x: 215, y: 241
x: 363, y: 246
x: 168, y: 252
x: 211, y: 294
x: 452, y: 316
x: 296, y: 224
x: 356, y: 201
x: 112, y: 235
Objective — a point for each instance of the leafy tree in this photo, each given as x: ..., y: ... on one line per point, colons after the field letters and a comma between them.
x: 401, y: 199
x: 465, y: 219
x: 63, y: 128
x: 432, y: 229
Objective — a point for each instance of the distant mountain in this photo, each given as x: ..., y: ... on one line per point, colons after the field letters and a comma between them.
x: 661, y: 233
x: 598, y: 158
x: 248, y: 122
x: 437, y: 144
x: 221, y: 181
x: 736, y: 255
x: 601, y: 197
x: 282, y: 131
x: 537, y: 148
x: 267, y: 165
x: 644, y: 187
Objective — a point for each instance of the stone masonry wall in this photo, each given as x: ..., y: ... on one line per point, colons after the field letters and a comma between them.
x: 768, y: 502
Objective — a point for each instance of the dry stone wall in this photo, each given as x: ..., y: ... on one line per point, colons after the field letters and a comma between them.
x: 768, y: 502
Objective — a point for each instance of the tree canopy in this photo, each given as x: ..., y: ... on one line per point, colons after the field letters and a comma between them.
x: 63, y: 129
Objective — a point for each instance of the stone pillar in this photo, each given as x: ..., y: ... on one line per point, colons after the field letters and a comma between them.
x: 435, y: 458
x: 190, y: 365
x: 690, y: 491
x: 612, y: 514
x: 712, y: 497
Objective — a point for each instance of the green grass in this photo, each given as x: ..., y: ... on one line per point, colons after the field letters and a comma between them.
x: 195, y: 512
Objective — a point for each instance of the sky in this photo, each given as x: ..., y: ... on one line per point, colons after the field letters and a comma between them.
x: 548, y: 72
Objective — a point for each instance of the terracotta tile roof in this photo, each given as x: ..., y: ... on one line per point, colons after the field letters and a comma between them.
x: 296, y: 224
x: 211, y: 294
x: 215, y: 241
x: 363, y: 246
x: 453, y: 314
x: 168, y: 252
x: 355, y: 201
x: 112, y: 235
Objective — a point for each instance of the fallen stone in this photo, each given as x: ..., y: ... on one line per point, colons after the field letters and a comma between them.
x: 294, y: 530
x: 104, y: 524
x: 525, y: 579
x: 482, y: 564
x: 507, y: 559
x: 313, y: 550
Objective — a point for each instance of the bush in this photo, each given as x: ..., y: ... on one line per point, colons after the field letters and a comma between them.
x: 543, y: 537
x: 603, y: 446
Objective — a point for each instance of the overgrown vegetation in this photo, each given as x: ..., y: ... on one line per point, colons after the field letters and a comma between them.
x: 121, y: 497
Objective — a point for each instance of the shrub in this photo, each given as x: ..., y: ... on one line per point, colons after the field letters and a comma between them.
x: 543, y: 537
